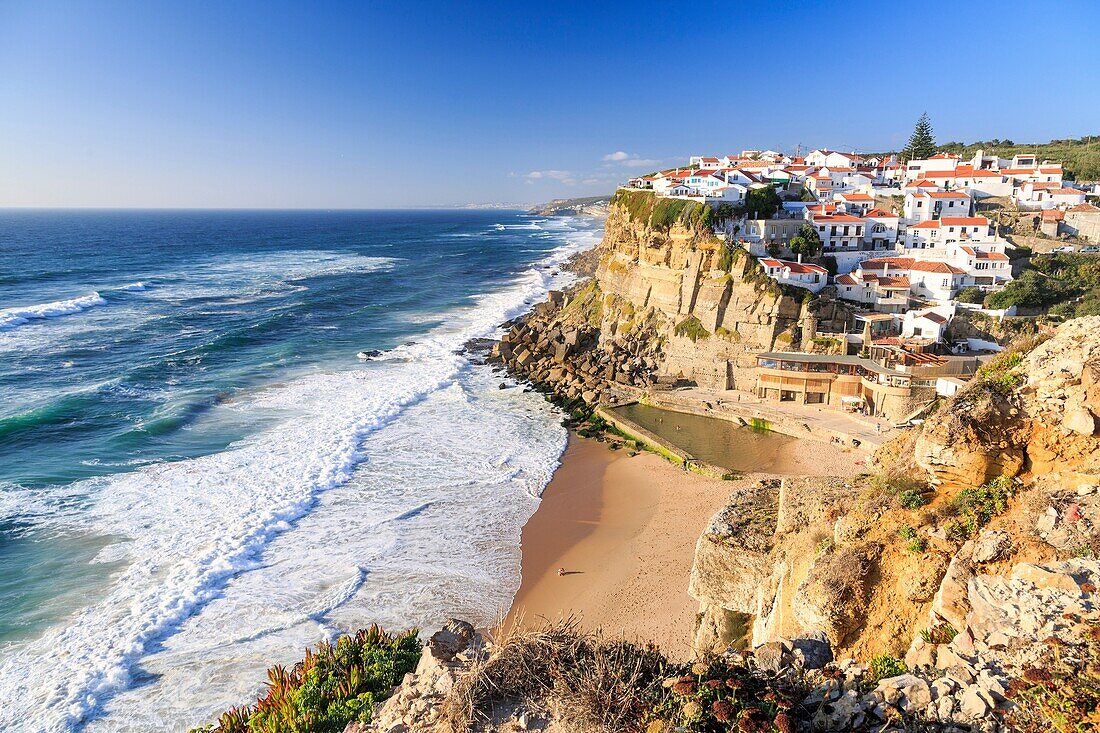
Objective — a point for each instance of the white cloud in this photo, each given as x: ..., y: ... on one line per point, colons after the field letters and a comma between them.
x: 555, y: 175
x: 629, y: 160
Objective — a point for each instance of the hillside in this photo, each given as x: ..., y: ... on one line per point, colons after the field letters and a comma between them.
x: 1080, y: 156
x: 586, y: 206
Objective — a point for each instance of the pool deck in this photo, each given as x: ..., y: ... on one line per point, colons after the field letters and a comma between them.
x: 800, y: 421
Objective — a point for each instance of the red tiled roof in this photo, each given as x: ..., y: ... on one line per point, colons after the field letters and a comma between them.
x: 991, y: 256
x: 1066, y: 192
x: 1085, y: 208
x: 840, y: 218
x: 1055, y: 214
x: 795, y: 267
x: 930, y: 224
x: 965, y: 221
x: 934, y: 266
x: 922, y: 183
x: 879, y: 214
x: 856, y: 197
x: 847, y: 280
x: 946, y: 194
x: 934, y: 317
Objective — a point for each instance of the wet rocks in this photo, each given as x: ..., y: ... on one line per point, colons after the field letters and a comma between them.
x: 573, y: 359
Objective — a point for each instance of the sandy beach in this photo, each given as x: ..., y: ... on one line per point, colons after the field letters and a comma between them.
x: 624, y: 528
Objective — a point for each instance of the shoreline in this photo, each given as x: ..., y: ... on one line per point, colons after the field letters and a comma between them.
x: 624, y: 528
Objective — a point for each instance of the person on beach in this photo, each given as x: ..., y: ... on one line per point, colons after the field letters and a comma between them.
x: 561, y: 571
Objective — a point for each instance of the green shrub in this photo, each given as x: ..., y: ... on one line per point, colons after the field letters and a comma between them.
x: 977, y: 506
x: 916, y: 545
x: 970, y: 295
x: 940, y: 634
x: 333, y: 686
x: 884, y: 666
x: 907, y: 533
x: 692, y: 328
x: 911, y: 499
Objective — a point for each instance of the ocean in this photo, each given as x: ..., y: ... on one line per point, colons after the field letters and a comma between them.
x: 200, y: 476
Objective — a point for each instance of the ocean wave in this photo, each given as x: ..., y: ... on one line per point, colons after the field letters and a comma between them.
x: 191, y: 528
x: 21, y: 315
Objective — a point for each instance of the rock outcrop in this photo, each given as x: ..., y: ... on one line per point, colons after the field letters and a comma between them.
x: 1032, y: 414
x: 669, y: 302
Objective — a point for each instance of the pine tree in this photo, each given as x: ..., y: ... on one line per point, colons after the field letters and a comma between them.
x: 921, y: 143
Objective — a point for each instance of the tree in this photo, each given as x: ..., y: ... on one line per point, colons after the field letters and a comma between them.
x: 760, y: 203
x: 921, y: 143
x: 807, y: 242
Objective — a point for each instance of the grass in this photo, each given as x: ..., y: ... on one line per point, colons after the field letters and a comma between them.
x: 333, y: 686
x: 593, y: 683
x: 976, y: 507
x: 661, y: 213
x: 941, y: 634
x: 1063, y: 693
x: 692, y: 328
x: 586, y: 304
x: 882, y: 666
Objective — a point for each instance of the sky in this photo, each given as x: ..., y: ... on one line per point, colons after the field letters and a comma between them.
x: 392, y: 104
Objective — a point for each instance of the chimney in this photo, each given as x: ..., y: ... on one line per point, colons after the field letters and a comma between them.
x: 800, y: 258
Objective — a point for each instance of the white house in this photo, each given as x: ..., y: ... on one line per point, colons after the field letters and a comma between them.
x: 925, y: 205
x: 810, y: 277
x: 919, y: 168
x: 831, y: 158
x: 881, y: 229
x: 838, y: 231
x: 854, y: 202
x: 928, y: 323
x: 938, y: 233
x: 1045, y: 195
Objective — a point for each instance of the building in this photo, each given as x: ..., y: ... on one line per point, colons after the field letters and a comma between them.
x: 924, y: 205
x: 880, y: 230
x: 838, y: 232
x: 810, y: 277
x: 1083, y: 221
x: 843, y: 382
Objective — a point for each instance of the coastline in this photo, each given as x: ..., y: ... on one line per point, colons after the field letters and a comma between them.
x: 624, y: 528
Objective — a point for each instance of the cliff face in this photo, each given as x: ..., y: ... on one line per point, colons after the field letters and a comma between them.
x: 978, y: 517
x: 1032, y: 415
x: 725, y: 308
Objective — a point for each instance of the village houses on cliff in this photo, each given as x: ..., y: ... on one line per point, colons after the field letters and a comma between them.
x: 901, y: 240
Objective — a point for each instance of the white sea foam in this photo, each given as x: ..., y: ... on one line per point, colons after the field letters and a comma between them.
x: 285, y: 536
x: 20, y: 315
x: 131, y: 288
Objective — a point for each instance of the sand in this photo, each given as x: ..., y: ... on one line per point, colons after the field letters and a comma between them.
x: 625, y: 529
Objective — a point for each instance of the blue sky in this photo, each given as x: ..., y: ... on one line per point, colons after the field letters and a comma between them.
x: 379, y: 104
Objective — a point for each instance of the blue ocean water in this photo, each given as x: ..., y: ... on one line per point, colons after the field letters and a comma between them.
x: 198, y: 474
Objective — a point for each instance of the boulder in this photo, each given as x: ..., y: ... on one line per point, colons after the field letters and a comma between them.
x: 1080, y: 421
x: 907, y: 692
x: 1042, y: 577
x: 814, y: 648
x: 991, y: 545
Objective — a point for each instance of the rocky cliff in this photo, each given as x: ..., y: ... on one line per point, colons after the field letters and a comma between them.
x: 669, y: 301
x: 972, y: 554
x: 1029, y: 412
